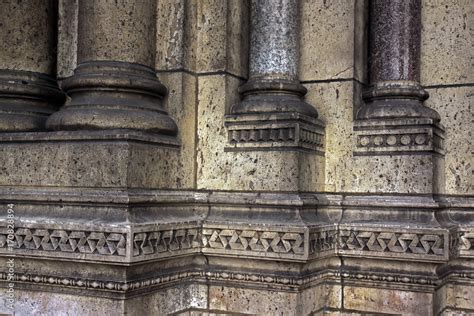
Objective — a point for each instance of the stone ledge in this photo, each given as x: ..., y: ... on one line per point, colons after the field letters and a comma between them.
x: 118, y: 135
x: 144, y: 225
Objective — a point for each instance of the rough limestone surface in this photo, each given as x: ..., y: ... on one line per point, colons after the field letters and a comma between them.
x: 366, y: 215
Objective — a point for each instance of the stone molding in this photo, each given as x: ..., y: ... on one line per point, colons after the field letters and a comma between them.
x: 213, y: 238
x: 288, y: 243
x: 462, y: 243
x: 398, y: 137
x: 27, y: 99
x: 118, y: 95
x: 272, y: 115
x: 275, y: 131
x: 261, y: 279
x: 411, y: 244
x: 113, y: 135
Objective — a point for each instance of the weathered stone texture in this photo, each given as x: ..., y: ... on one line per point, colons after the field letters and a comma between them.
x: 180, y: 104
x: 446, y: 42
x: 334, y: 102
x: 455, y: 108
x: 230, y: 170
x: 373, y: 217
x: 248, y: 301
x: 170, y: 34
x: 325, y: 56
x: 376, y: 300
x: 273, y: 39
x: 394, y: 40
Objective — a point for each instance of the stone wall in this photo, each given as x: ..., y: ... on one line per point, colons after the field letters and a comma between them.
x: 263, y: 170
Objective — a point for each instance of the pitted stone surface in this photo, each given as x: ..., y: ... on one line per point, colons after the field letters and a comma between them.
x: 323, y: 55
x: 447, y: 32
x: 456, y: 114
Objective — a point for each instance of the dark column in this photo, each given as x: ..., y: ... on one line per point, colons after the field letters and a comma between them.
x: 115, y: 85
x: 28, y: 90
x: 394, y: 62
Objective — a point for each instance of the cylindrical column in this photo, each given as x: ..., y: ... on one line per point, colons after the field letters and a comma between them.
x: 274, y: 39
x: 115, y: 85
x: 273, y: 84
x: 28, y: 90
x: 394, y: 62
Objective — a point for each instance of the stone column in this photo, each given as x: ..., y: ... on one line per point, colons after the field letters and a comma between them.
x: 273, y: 93
x: 28, y: 90
x: 398, y: 138
x: 394, y: 62
x: 114, y: 85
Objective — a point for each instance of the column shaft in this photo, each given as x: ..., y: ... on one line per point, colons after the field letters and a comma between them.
x: 28, y: 90
x: 115, y: 85
x: 272, y: 113
x: 274, y: 39
x: 397, y: 136
x: 117, y: 30
x: 395, y: 33
x: 394, y: 62
x: 273, y: 84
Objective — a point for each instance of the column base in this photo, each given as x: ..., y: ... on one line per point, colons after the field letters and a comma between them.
x: 275, y: 131
x: 107, y: 158
x: 398, y: 155
x: 113, y: 95
x: 396, y: 99
x: 399, y: 136
x: 26, y: 100
x: 273, y: 116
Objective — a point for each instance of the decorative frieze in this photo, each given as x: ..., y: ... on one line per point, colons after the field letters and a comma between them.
x: 291, y: 131
x: 251, y: 241
x: 165, y: 241
x: 323, y: 240
x: 70, y: 241
x: 261, y: 279
x: 286, y: 243
x: 462, y: 243
x: 409, y: 136
x: 402, y: 244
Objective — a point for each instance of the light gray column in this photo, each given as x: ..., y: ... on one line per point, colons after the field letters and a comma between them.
x: 115, y: 85
x: 273, y: 84
x: 274, y: 39
x: 28, y: 89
